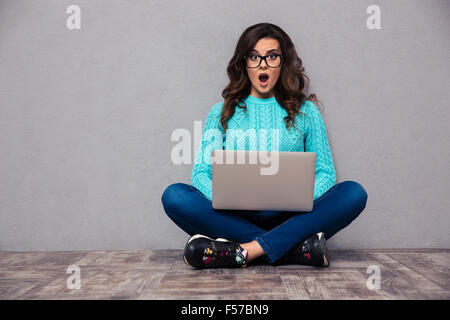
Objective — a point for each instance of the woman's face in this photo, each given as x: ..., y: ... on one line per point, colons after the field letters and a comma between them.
x: 260, y: 89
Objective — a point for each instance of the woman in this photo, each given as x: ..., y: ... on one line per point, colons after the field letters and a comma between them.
x: 265, y: 92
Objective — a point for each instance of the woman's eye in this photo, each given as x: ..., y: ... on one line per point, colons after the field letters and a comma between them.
x: 272, y: 56
x: 254, y: 57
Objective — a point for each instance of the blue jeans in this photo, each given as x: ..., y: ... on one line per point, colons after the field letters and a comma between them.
x: 276, y: 231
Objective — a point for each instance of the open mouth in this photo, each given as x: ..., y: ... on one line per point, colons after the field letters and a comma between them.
x: 263, y: 79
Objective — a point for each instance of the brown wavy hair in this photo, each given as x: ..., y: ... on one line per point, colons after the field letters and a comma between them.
x: 288, y: 89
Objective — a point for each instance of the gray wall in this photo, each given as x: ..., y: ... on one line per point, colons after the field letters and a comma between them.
x: 87, y: 115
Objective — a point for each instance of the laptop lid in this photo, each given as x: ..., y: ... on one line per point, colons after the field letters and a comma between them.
x: 263, y: 180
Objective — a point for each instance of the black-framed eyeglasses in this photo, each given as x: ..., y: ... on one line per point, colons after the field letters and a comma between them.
x: 254, y: 60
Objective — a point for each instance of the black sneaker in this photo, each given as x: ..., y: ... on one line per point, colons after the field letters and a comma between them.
x: 203, y: 252
x: 313, y: 251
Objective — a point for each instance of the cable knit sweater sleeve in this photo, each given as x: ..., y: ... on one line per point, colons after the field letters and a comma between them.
x: 212, y: 139
x: 316, y: 141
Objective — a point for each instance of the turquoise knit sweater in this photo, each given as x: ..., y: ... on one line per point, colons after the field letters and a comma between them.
x: 265, y: 116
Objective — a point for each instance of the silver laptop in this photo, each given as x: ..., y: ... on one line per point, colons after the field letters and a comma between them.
x: 263, y: 180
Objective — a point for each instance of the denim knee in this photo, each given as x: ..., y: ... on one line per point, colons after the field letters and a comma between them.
x: 170, y: 196
x: 357, y: 192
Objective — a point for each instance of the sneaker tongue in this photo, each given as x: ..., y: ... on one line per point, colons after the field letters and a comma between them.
x: 241, y: 255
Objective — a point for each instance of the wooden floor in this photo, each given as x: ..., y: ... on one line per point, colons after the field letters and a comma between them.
x: 404, y: 274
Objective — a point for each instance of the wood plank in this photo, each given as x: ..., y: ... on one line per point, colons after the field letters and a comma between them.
x: 427, y: 266
x: 14, y: 288
x: 227, y: 283
x: 401, y: 282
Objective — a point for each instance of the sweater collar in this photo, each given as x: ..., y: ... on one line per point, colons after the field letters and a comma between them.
x: 252, y: 99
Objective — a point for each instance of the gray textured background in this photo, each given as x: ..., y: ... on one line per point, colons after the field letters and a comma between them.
x: 86, y: 115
